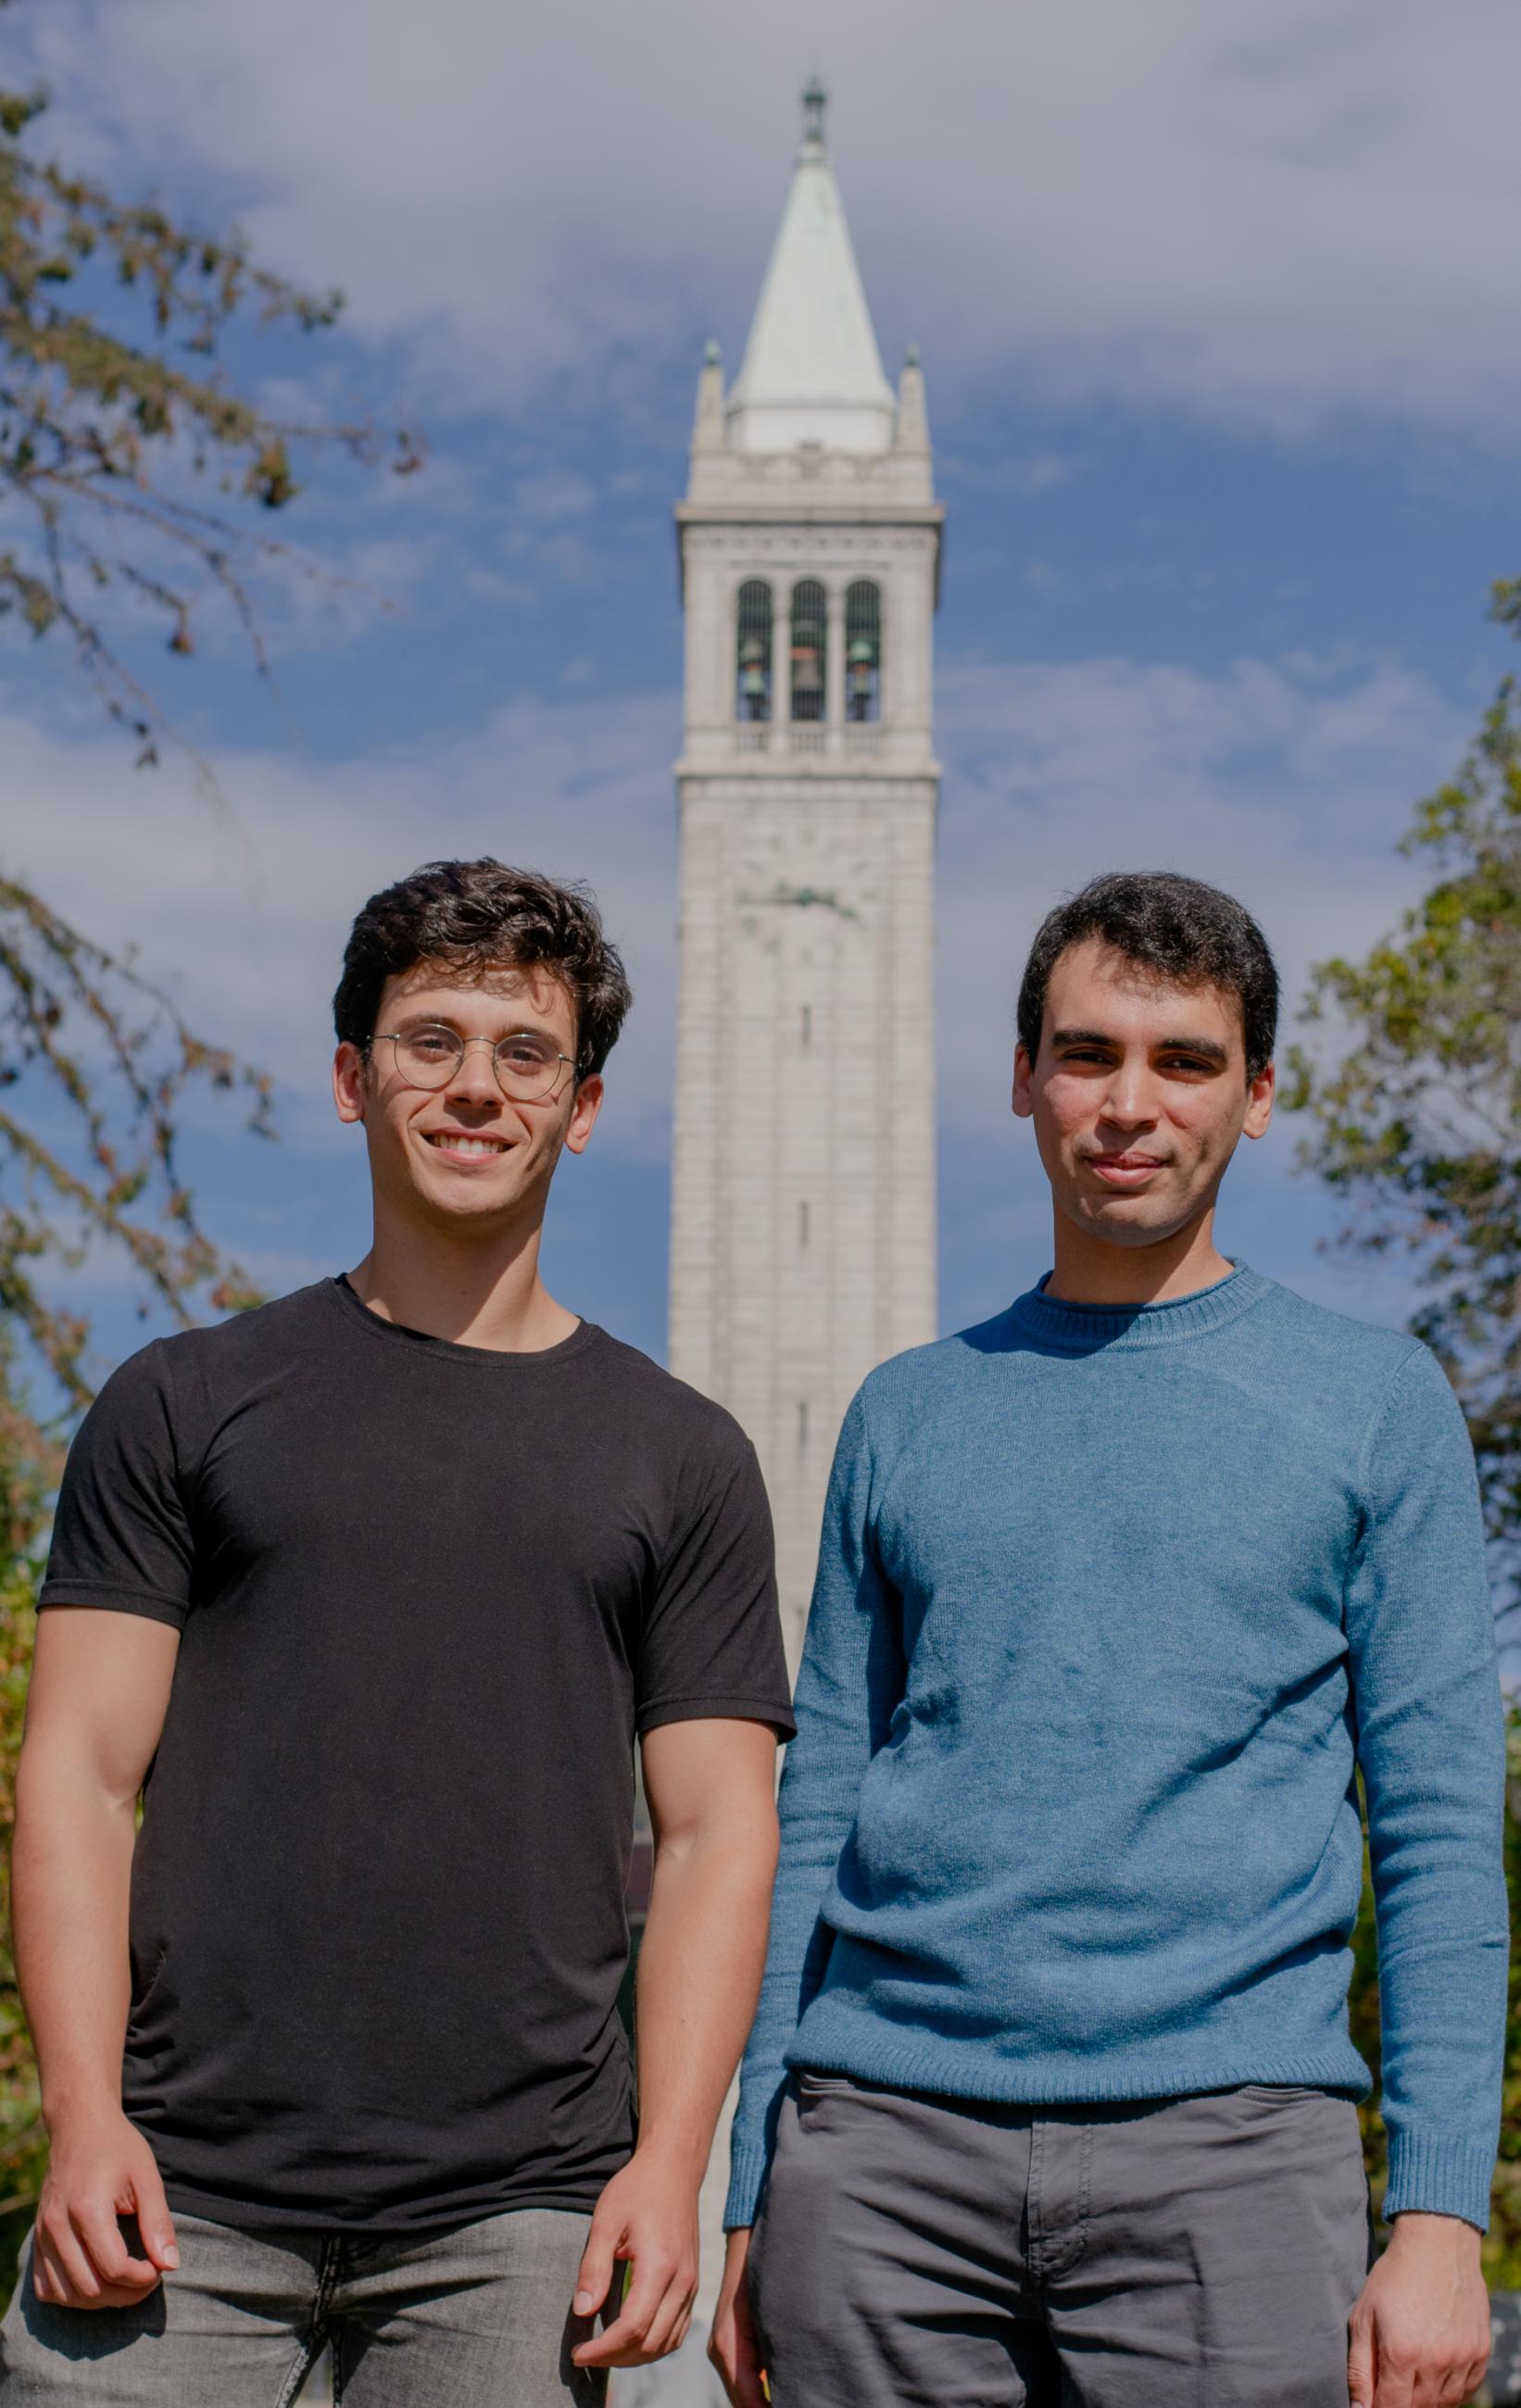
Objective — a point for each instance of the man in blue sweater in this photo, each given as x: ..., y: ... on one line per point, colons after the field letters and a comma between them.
x: 1049, y: 2097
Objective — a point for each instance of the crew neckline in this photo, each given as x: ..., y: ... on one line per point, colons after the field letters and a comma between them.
x: 448, y: 1349
x: 1056, y: 1322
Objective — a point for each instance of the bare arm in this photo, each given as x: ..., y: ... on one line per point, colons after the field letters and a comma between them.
x: 100, y: 1687
x: 712, y: 1787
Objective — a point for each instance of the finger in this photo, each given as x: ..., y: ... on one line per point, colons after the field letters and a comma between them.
x: 154, y: 2222
x: 99, y: 2233
x: 70, y: 2264
x: 627, y: 2331
x: 1393, y: 2389
x: 596, y: 2264
x: 664, y: 2331
x: 1361, y: 2368
x: 42, y: 2275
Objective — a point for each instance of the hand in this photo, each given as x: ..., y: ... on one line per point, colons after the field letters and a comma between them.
x: 1420, y: 2333
x: 649, y: 2213
x: 734, y: 2344
x: 100, y: 2169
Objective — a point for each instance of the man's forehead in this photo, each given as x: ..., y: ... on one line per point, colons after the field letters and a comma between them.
x: 494, y: 984
x: 1135, y: 991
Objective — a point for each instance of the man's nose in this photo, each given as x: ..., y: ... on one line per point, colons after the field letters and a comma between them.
x: 1129, y: 1099
x: 475, y: 1077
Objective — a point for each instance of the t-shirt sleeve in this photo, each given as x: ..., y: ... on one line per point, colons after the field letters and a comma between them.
x: 712, y: 1640
x: 121, y: 1535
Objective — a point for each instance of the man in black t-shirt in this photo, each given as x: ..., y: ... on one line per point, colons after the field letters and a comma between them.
x: 368, y: 1594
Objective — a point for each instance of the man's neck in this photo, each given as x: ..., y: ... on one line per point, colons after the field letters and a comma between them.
x: 1093, y: 1271
x: 474, y: 1291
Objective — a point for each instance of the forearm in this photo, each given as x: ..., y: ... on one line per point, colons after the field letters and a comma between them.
x: 71, y: 1881
x: 698, y: 1978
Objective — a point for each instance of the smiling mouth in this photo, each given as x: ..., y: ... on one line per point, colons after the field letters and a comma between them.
x: 466, y: 1149
x: 1122, y: 1166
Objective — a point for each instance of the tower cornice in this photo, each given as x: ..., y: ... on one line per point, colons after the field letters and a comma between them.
x: 783, y: 527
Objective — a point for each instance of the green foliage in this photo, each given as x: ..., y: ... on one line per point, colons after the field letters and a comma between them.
x: 1418, y: 1126
x: 1503, y: 2245
x: 124, y: 450
x: 117, y: 1057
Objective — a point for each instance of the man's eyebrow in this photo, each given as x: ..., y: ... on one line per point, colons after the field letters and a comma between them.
x: 1208, y: 1048
x: 420, y: 1017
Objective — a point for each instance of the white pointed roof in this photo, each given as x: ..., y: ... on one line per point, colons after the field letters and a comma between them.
x: 811, y: 372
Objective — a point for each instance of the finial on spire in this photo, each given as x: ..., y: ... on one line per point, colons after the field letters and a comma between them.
x: 815, y: 100
x: 910, y: 357
x: 710, y: 353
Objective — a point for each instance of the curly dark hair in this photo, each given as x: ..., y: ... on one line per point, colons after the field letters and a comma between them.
x: 475, y: 916
x: 1177, y: 929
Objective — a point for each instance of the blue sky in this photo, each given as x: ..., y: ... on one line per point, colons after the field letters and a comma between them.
x: 1217, y: 305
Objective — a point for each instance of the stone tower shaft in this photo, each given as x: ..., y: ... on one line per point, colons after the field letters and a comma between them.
x: 803, y: 1213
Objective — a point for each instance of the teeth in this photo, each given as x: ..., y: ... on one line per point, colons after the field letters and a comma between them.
x: 451, y: 1144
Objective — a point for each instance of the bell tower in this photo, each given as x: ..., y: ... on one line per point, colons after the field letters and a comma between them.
x: 803, y: 1211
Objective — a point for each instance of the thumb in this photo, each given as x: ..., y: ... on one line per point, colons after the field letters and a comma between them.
x: 154, y: 2222
x: 1360, y: 2366
x: 596, y: 2265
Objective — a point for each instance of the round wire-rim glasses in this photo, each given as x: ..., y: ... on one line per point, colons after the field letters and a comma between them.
x: 526, y: 1066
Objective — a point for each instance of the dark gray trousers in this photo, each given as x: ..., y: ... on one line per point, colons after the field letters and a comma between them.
x: 914, y: 2252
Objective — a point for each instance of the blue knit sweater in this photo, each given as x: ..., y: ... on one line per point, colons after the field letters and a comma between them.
x: 1109, y: 1607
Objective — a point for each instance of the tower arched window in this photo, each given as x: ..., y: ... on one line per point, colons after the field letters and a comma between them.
x: 863, y: 651
x: 809, y: 620
x: 753, y: 651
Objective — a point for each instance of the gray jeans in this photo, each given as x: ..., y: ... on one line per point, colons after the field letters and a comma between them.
x: 475, y: 2317
x: 914, y: 2252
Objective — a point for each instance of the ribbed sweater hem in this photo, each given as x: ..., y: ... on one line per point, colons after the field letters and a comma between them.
x: 1002, y: 2082
x: 1099, y: 2081
x: 1431, y: 2175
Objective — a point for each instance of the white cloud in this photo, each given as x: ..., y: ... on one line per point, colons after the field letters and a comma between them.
x: 1271, y: 213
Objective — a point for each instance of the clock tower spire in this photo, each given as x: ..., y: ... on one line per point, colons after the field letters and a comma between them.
x: 803, y: 1213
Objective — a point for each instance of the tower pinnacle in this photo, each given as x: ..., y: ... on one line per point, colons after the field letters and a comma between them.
x: 815, y: 101
x: 811, y: 372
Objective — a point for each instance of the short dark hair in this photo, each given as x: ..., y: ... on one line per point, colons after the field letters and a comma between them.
x: 1176, y: 928
x: 476, y: 915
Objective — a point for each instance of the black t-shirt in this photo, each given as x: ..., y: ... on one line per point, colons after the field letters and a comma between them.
x: 429, y: 1595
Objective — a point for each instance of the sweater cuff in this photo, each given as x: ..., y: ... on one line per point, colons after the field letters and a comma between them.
x: 1434, y: 2176
x: 747, y: 2180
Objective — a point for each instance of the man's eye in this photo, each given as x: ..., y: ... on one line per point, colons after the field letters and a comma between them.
x: 522, y: 1054
x: 435, y: 1042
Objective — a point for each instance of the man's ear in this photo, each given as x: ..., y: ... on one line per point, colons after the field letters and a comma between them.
x: 1024, y: 1072
x: 584, y: 1108
x: 1259, y: 1098
x: 350, y: 1079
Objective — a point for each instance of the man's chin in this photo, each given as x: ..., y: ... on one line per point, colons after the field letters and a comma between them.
x: 1131, y: 1221
x: 461, y: 1204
